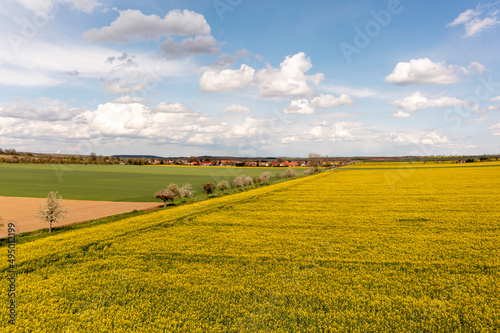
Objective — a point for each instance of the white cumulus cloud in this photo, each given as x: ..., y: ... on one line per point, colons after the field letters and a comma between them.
x: 328, y: 101
x: 236, y: 108
x: 42, y: 108
x: 290, y: 79
x: 305, y: 106
x: 227, y: 79
x: 401, y: 114
x: 418, y: 101
x: 418, y: 138
x: 313, y: 135
x: 494, y: 129
x: 133, y: 25
x: 488, y: 109
x: 200, y: 44
x: 171, y: 108
x: 122, y: 87
x: 118, y: 119
x: 201, y: 139
x: 300, y: 106
x: 250, y: 128
x: 425, y: 71
x: 344, y: 131
x: 128, y: 100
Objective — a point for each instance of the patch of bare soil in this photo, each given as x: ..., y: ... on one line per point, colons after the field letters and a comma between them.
x: 22, y: 212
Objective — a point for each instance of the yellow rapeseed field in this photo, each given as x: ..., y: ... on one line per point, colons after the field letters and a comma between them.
x: 368, y: 248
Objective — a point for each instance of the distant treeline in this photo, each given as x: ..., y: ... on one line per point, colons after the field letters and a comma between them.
x: 13, y: 156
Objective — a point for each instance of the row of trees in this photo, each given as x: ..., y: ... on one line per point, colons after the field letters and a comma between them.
x: 173, y: 191
x: 53, y: 210
x: 13, y: 156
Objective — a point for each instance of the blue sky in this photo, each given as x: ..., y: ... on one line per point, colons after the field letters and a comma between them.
x: 250, y: 78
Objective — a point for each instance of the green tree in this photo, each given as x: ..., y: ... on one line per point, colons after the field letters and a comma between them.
x: 208, y: 188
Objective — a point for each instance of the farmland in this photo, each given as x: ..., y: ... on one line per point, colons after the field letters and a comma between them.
x: 109, y: 182
x: 400, y: 249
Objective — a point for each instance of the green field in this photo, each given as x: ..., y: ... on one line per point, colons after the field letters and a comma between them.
x: 381, y: 250
x: 111, y: 182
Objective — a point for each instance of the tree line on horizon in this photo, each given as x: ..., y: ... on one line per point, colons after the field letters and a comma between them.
x: 173, y: 191
x: 13, y: 156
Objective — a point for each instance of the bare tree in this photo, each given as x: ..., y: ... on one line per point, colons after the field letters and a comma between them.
x: 53, y: 210
x: 222, y: 186
x: 314, y: 160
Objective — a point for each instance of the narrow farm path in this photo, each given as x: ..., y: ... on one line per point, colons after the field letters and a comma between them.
x: 21, y: 211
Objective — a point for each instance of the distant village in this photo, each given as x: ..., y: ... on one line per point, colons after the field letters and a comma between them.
x: 249, y: 163
x: 13, y: 156
x: 258, y: 163
x: 316, y: 160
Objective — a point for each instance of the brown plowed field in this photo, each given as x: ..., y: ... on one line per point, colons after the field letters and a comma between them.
x: 21, y: 211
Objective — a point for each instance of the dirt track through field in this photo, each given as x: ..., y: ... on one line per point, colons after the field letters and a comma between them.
x: 21, y: 211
